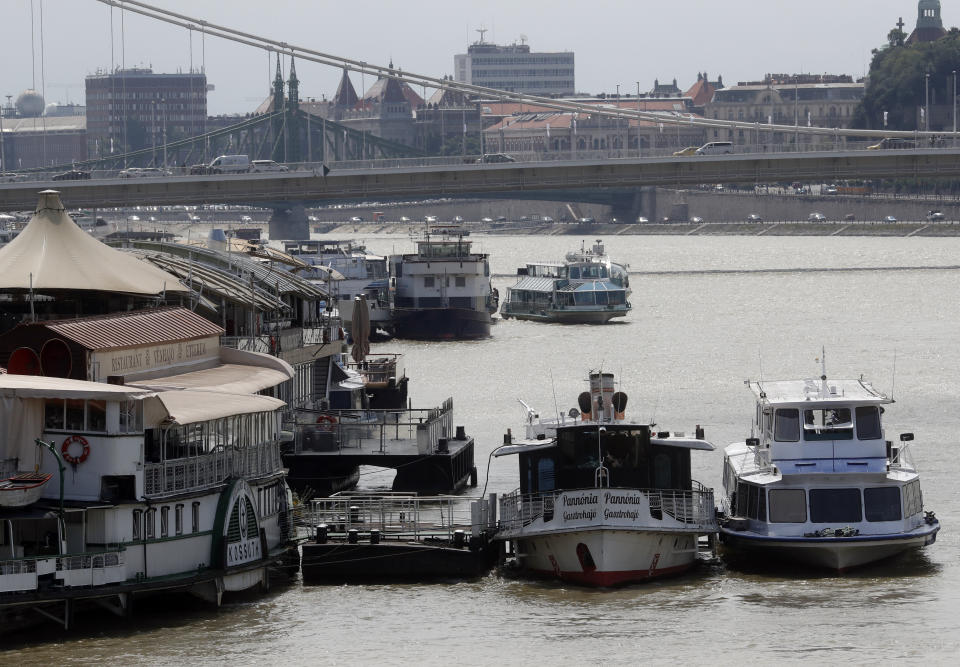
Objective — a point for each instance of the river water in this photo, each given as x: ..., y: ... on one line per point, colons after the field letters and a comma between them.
x: 708, y: 313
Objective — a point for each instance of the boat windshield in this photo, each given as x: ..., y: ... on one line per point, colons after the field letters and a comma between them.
x: 587, y: 271
x: 631, y: 460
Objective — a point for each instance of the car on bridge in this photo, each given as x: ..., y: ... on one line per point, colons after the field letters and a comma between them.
x: 495, y: 158
x: 816, y: 217
x: 891, y: 143
x: 689, y: 150
x: 72, y: 175
x: 753, y: 217
x: 10, y: 177
x: 264, y: 166
x: 356, y: 218
x: 935, y: 216
x: 889, y: 218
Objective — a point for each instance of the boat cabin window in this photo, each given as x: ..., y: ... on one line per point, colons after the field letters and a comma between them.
x: 788, y: 506
x: 627, y: 454
x: 787, y: 427
x: 835, y: 505
x: 827, y: 424
x: 131, y: 417
x: 428, y: 281
x: 751, y: 501
x: 912, y: 498
x: 75, y: 414
x: 868, y: 423
x: 236, y: 432
x: 882, y: 503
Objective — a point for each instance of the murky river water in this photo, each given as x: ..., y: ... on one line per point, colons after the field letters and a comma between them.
x: 708, y: 313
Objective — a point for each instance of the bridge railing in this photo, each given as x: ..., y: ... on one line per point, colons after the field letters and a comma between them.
x: 761, y: 145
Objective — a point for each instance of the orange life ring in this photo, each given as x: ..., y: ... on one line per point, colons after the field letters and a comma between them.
x: 65, y: 449
x: 326, y: 419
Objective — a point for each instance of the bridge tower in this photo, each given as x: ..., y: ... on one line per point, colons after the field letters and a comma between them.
x: 278, y: 120
x: 292, y: 118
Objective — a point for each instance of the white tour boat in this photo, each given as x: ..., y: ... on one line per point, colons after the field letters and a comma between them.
x: 604, y: 500
x: 586, y: 288
x: 163, y: 449
x: 349, y: 270
x: 442, y: 291
x: 819, y: 483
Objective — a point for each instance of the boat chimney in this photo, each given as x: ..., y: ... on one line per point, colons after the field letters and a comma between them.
x: 508, y: 437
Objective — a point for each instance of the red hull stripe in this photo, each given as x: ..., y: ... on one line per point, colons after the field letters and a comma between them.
x: 597, y: 578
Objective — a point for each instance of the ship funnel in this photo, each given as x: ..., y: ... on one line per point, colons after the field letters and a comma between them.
x: 586, y: 407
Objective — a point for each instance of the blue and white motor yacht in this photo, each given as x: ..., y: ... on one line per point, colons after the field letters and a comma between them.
x: 819, y: 483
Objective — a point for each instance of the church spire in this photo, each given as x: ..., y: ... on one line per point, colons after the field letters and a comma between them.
x: 293, y: 86
x: 278, y: 88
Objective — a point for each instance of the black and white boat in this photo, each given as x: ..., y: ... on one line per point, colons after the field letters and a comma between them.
x: 604, y: 500
x: 442, y: 291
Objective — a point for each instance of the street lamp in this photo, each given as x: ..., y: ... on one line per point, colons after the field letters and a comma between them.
x: 954, y: 106
x: 153, y: 132
x: 926, y: 105
x: 163, y: 102
x: 638, y: 119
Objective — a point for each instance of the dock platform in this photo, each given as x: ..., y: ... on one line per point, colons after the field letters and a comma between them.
x: 430, y: 457
x: 399, y: 537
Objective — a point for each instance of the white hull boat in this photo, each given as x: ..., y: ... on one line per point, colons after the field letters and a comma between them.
x: 820, y: 484
x: 22, y: 489
x: 604, y: 501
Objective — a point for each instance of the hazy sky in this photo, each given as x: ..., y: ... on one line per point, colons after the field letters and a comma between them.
x: 615, y: 42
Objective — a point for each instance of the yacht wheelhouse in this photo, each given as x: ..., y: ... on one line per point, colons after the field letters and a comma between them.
x: 819, y: 482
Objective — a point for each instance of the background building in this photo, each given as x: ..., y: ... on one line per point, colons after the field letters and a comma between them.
x: 515, y: 68
x: 132, y: 109
x: 817, y: 100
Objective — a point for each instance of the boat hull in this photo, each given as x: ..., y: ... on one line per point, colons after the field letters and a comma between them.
x: 605, y: 557
x: 565, y: 316
x: 22, y: 490
x: 834, y: 553
x: 441, y: 324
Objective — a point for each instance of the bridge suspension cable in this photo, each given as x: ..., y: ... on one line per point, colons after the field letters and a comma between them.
x: 363, y: 67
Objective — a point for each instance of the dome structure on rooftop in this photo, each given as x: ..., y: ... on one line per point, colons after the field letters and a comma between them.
x: 29, y: 103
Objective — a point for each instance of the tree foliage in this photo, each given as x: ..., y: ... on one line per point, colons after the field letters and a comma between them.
x: 897, y: 81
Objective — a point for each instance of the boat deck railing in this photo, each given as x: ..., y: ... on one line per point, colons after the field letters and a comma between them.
x: 378, y: 369
x: 196, y: 473
x: 402, y: 516
x: 694, y: 507
x: 274, y: 343
x: 338, y: 430
x: 83, y: 569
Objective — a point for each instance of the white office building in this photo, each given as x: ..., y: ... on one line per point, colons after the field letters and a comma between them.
x: 515, y: 68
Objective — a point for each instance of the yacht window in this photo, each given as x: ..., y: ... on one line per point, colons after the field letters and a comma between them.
x: 868, y: 423
x: 788, y: 506
x: 150, y: 523
x: 137, y: 517
x: 74, y: 418
x: 743, y: 494
x: 53, y: 414
x: 196, y: 517
x: 835, y: 505
x: 912, y: 498
x: 164, y: 521
x: 601, y: 298
x: 882, y: 503
x: 574, y: 272
x: 178, y: 519
x: 131, y: 417
x: 545, y: 475
x: 787, y: 425
x: 97, y: 416
x: 756, y: 502
x: 428, y: 281
x: 828, y: 424
x: 461, y: 281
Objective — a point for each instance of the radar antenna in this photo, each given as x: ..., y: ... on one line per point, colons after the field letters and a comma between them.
x: 481, y: 30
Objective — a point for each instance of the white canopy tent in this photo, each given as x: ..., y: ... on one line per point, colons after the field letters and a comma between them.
x: 53, y: 253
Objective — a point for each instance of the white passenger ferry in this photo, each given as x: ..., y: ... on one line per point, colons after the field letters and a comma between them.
x: 604, y: 500
x: 587, y: 288
x: 442, y: 291
x: 160, y: 450
x: 819, y: 482
x: 348, y: 270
